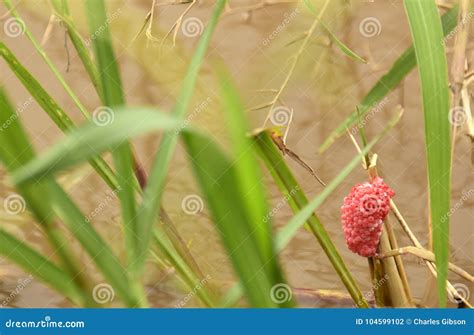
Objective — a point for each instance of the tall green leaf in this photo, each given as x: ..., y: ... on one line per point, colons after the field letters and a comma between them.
x: 54, y: 111
x: 400, y: 69
x: 111, y: 87
x: 218, y: 180
x: 89, y: 140
x: 427, y: 34
x: 150, y: 206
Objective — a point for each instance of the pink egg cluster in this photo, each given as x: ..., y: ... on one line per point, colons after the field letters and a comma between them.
x: 363, y: 212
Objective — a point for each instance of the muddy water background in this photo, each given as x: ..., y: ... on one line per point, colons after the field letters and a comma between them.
x: 325, y: 87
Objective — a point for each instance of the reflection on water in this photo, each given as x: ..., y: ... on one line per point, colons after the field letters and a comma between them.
x: 323, y: 89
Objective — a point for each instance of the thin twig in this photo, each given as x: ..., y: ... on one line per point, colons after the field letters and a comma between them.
x: 427, y: 256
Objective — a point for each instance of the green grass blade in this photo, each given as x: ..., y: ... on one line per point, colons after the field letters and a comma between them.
x: 12, y: 10
x: 94, y: 244
x: 400, y: 69
x: 247, y: 170
x: 90, y: 139
x: 231, y: 218
x: 111, y: 86
x: 150, y: 206
x: 54, y: 111
x: 427, y: 36
x: 61, y: 9
x: 40, y: 267
x: 189, y: 277
x: 13, y: 139
x: 343, y: 47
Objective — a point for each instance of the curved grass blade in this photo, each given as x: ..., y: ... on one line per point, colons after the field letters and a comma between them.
x: 54, y: 111
x: 218, y: 180
x: 98, y: 250
x: 89, y: 140
x: 111, y: 87
x: 62, y: 12
x: 400, y: 69
x: 246, y: 167
x: 40, y: 267
x: 13, y: 140
x: 344, y: 48
x: 150, y: 206
x: 427, y: 36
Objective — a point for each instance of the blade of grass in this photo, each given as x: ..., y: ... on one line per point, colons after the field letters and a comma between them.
x: 111, y: 86
x: 61, y: 9
x: 40, y: 267
x: 247, y: 170
x: 94, y: 244
x: 13, y: 140
x: 54, y: 111
x: 426, y: 30
x: 150, y: 206
x: 42, y: 53
x: 88, y: 140
x: 400, y: 69
x: 218, y: 180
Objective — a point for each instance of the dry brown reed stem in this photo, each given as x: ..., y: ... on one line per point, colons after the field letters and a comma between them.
x: 428, y: 256
x: 431, y: 266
